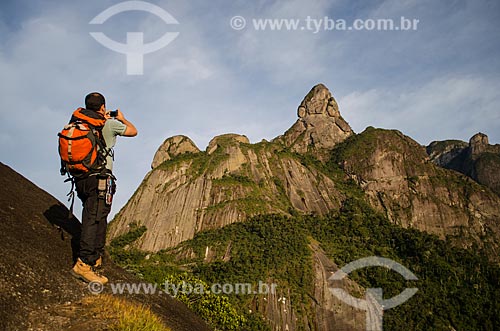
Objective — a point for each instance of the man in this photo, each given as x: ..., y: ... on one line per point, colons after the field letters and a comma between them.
x: 95, y: 191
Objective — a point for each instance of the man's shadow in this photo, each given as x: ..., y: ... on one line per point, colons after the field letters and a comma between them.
x: 59, y: 216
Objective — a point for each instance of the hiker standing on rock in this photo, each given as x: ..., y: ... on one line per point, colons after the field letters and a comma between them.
x: 85, y: 147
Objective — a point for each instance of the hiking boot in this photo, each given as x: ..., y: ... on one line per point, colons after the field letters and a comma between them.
x: 84, y: 272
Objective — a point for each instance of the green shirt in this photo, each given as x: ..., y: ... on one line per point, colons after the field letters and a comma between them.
x: 110, y: 131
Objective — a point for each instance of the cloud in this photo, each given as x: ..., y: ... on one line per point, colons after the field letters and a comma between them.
x: 445, y: 108
x: 283, y: 56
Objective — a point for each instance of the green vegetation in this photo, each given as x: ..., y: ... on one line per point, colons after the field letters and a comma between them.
x: 241, y: 193
x: 257, y: 147
x: 265, y: 248
x: 488, y: 156
x: 357, y: 150
x: 128, y: 256
x: 357, y: 145
x: 232, y: 179
x: 163, y: 268
x: 179, y: 159
x: 134, y: 233
x: 214, y: 309
x: 444, y: 145
x: 199, y: 163
x: 457, y: 288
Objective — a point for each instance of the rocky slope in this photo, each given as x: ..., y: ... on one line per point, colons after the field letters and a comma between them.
x: 37, y: 291
x: 477, y: 159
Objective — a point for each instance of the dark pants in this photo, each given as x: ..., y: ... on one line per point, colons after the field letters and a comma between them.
x: 94, y: 220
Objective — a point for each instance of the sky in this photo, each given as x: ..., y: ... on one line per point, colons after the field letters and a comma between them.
x: 438, y: 81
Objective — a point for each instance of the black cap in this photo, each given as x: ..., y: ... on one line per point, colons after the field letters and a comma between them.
x: 94, y: 101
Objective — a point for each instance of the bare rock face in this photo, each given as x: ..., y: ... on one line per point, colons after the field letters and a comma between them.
x: 478, y: 144
x: 172, y: 147
x: 394, y: 172
x: 443, y: 152
x: 224, y: 140
x: 333, y: 314
x: 230, y: 181
x: 319, y: 127
x: 479, y: 160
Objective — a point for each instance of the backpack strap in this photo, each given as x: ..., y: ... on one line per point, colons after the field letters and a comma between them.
x: 63, y: 169
x: 103, y: 149
x: 90, y: 117
x: 71, y: 194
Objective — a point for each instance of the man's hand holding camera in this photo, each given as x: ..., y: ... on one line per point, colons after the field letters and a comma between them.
x: 131, y: 131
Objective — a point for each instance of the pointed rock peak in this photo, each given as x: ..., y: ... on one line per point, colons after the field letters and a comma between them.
x: 172, y: 147
x: 226, y: 140
x: 318, y: 101
x: 478, y: 144
x: 319, y: 127
x: 479, y: 138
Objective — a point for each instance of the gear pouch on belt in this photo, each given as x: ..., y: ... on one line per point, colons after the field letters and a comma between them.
x: 106, y: 187
x: 110, y: 190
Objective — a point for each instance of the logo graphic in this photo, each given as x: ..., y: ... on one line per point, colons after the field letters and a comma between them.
x: 374, y: 303
x: 134, y: 48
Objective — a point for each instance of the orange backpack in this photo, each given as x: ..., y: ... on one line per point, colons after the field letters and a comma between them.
x: 81, y: 146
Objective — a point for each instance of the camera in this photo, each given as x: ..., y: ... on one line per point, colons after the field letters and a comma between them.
x: 113, y: 113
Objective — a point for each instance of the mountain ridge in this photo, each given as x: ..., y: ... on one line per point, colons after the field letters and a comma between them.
x: 476, y: 159
x: 359, y: 184
x: 189, y: 190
